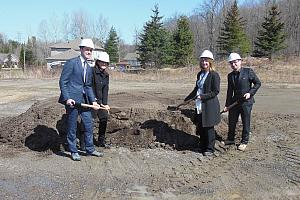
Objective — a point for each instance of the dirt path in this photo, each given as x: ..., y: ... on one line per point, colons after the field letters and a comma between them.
x: 269, y: 169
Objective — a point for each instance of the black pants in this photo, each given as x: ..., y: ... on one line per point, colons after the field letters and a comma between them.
x: 102, y: 116
x: 245, y: 111
x: 102, y: 131
x: 207, y: 135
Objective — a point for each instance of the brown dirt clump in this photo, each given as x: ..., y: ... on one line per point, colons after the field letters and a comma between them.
x: 43, y: 127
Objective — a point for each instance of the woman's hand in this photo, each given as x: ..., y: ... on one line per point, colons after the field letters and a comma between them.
x: 225, y: 109
x: 247, y: 95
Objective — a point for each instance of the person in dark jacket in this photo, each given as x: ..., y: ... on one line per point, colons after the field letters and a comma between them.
x: 207, y: 106
x: 101, y: 86
x: 242, y: 84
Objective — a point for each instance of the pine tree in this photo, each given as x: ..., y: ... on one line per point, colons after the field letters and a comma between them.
x: 168, y: 49
x: 152, y: 42
x: 271, y: 37
x: 183, y: 39
x: 21, y: 57
x: 30, y: 57
x: 232, y: 37
x: 112, y: 46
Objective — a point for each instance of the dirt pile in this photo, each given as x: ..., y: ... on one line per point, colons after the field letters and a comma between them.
x: 43, y: 127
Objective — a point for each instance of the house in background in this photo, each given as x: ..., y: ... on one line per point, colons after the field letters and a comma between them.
x: 132, y: 59
x: 6, y: 57
x: 62, y: 52
x: 129, y: 63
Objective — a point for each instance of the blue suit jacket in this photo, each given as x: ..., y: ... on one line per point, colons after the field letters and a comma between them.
x: 72, y: 85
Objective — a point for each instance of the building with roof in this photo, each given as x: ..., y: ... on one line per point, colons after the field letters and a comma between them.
x: 62, y: 52
x: 129, y: 63
x: 5, y: 58
x: 132, y: 59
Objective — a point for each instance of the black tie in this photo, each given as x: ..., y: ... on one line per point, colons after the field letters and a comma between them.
x: 236, y: 77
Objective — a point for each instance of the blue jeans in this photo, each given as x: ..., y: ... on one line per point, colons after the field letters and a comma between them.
x: 87, y: 120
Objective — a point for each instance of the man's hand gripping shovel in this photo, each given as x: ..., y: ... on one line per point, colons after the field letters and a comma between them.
x: 95, y: 107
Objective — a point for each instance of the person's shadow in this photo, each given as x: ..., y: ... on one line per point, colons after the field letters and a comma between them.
x: 45, y: 138
x: 173, y: 137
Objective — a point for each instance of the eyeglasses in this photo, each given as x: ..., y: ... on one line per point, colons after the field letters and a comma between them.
x: 205, y: 59
x: 234, y: 61
x: 99, y: 62
x: 87, y: 49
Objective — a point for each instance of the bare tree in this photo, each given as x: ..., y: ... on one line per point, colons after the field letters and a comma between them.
x: 199, y: 34
x: 55, y: 27
x: 291, y: 18
x: 208, y: 11
x: 99, y: 29
x: 79, y: 24
x: 43, y: 35
x: 253, y: 13
x: 66, y: 27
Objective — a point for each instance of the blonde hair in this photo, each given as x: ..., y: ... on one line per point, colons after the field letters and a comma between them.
x: 211, y: 64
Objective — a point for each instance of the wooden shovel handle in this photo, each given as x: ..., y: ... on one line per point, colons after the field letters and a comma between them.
x: 84, y: 105
x: 230, y: 106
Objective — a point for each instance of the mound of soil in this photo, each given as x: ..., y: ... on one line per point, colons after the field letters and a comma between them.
x: 43, y: 127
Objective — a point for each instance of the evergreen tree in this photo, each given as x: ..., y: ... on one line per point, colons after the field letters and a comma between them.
x: 30, y: 57
x: 183, y: 39
x: 271, y: 37
x: 168, y: 52
x: 152, y: 42
x: 21, y: 57
x: 112, y: 46
x: 232, y: 37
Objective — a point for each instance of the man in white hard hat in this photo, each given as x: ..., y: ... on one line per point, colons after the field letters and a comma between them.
x: 242, y: 86
x: 101, y: 86
x: 76, y: 87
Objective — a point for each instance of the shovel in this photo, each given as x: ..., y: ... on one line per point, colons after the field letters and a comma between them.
x: 240, y: 100
x: 174, y: 108
x: 84, y: 105
x: 230, y: 106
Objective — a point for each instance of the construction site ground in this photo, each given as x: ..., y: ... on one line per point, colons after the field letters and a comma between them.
x: 154, y: 152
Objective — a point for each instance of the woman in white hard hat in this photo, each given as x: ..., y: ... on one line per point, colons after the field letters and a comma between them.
x: 101, y: 86
x: 207, y: 106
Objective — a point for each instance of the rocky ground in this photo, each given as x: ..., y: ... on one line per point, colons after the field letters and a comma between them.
x: 155, y: 153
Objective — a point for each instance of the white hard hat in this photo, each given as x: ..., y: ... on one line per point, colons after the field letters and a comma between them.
x: 102, y: 56
x: 87, y: 43
x: 234, y: 56
x: 207, y: 54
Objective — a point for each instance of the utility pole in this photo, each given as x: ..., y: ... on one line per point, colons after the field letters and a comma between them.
x: 24, y: 57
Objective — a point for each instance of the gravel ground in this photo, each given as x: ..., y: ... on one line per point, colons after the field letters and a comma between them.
x: 148, y: 159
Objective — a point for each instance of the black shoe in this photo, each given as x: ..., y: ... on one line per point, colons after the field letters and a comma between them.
x: 228, y: 142
x: 104, y: 145
x: 208, y: 153
x: 96, y: 153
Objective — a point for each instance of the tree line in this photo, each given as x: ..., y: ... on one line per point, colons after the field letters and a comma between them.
x: 251, y: 27
x: 174, y: 46
x: 208, y: 24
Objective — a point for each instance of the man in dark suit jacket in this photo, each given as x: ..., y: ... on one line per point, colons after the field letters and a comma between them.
x: 76, y: 87
x: 242, y: 86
